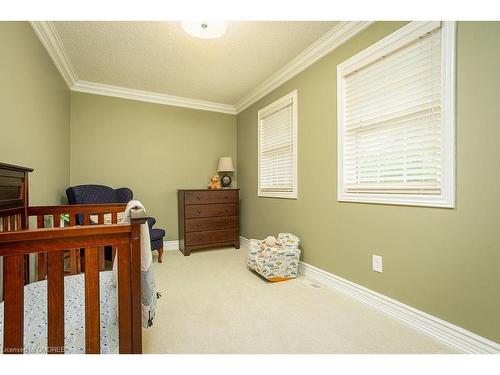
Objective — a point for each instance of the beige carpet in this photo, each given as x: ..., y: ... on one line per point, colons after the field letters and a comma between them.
x: 213, y: 304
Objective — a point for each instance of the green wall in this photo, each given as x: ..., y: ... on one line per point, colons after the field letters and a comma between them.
x: 442, y: 261
x: 34, y: 112
x: 34, y: 115
x: 153, y: 149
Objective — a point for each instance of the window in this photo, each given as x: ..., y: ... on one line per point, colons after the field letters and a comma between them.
x: 396, y: 126
x: 277, y: 137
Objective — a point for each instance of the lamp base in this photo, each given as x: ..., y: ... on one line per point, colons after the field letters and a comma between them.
x: 225, y: 181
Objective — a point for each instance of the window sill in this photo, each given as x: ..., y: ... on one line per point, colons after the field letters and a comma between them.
x: 398, y: 200
x: 282, y: 195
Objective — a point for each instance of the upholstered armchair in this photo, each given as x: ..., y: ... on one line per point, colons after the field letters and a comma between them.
x: 276, y: 263
x: 95, y: 194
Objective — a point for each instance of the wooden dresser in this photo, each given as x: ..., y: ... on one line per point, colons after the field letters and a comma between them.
x: 208, y: 218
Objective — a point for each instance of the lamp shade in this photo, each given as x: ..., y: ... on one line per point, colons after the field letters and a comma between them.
x: 225, y: 164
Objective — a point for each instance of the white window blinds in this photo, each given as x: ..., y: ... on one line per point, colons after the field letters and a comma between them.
x: 392, y: 121
x: 277, y: 148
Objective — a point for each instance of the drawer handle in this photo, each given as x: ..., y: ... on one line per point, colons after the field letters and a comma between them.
x: 198, y: 225
x: 199, y: 211
x: 227, y: 222
x: 198, y: 197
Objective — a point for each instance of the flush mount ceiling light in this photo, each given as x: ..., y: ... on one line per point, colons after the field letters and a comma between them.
x: 205, y: 29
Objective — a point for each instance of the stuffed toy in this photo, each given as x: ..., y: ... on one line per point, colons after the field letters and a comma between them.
x: 269, y: 241
x: 214, y: 182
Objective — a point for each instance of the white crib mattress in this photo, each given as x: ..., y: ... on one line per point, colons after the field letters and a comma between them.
x: 35, y: 316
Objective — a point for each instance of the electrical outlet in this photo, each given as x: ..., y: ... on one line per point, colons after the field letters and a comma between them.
x: 377, y: 263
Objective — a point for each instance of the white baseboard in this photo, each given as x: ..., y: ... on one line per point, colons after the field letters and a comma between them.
x: 458, y: 338
x: 171, y: 245
x: 245, y: 242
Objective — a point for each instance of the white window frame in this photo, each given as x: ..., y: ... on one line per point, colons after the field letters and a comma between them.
x: 387, y: 45
x: 277, y: 104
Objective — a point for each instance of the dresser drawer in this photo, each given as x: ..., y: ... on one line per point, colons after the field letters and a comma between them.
x: 206, y: 237
x: 213, y: 196
x: 210, y: 223
x: 201, y: 210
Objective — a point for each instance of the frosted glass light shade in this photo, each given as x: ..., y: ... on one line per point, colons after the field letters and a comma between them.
x: 205, y: 29
x: 225, y: 164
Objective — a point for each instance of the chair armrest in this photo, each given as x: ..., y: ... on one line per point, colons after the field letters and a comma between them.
x: 151, y: 222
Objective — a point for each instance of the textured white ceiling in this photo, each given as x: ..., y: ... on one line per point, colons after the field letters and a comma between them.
x: 161, y: 57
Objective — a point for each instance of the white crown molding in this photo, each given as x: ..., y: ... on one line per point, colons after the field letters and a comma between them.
x: 49, y: 38
x: 452, y: 335
x: 323, y: 46
x: 150, y: 97
x: 47, y: 33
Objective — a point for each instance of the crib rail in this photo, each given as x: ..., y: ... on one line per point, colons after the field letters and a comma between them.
x: 13, y: 219
x: 71, y: 215
x: 14, y: 246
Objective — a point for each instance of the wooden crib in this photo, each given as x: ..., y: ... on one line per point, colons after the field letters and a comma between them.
x: 83, y: 246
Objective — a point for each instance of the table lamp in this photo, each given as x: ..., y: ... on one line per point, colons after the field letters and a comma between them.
x: 225, y: 167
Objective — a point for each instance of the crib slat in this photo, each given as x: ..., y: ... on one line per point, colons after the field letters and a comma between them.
x: 124, y: 299
x: 56, y: 223
x: 83, y: 260
x: 135, y: 258
x: 57, y: 220
x: 74, y: 254
x: 13, y: 289
x: 102, y: 262
x: 74, y: 261
x: 18, y: 222
x: 5, y: 224
x: 13, y: 223
x: 79, y: 261
x: 42, y: 266
x: 42, y: 257
x: 55, y: 296
x: 92, y: 315
x: 114, y: 220
x: 40, y: 223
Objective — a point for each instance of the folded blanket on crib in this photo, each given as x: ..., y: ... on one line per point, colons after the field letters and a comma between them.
x: 149, y: 293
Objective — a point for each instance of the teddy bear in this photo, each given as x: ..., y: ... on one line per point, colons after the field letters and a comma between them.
x: 214, y: 182
x: 269, y: 241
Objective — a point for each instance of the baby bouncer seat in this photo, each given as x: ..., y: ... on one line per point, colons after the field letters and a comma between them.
x: 275, y: 263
